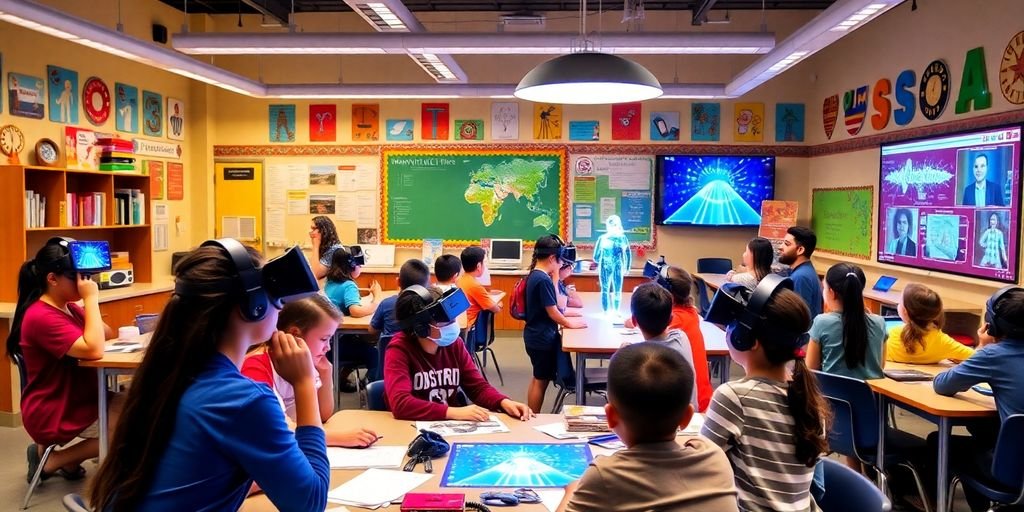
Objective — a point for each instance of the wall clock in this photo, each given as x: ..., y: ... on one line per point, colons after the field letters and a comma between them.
x: 934, y: 91
x: 47, y: 152
x: 1011, y: 70
x: 96, y: 101
x: 12, y: 141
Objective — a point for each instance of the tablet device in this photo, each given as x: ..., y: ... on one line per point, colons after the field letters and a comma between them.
x: 908, y: 375
x: 515, y: 464
x: 893, y: 321
x: 90, y: 257
x: 884, y: 283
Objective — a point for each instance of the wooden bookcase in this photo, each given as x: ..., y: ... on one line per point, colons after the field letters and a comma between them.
x: 19, y: 243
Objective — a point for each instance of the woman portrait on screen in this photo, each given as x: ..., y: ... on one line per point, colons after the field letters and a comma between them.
x: 903, y: 244
x: 993, y: 242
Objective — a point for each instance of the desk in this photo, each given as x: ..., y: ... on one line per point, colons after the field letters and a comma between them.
x: 110, y: 365
x: 920, y: 399
x: 600, y: 339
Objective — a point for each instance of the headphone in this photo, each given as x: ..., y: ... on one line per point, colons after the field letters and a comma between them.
x: 63, y: 264
x: 1000, y: 327
x: 420, y: 322
x: 662, y: 279
x: 256, y: 302
x: 751, y: 319
x: 354, y: 257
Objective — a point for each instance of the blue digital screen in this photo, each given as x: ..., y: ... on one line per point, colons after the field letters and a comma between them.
x: 515, y: 465
x: 714, y: 190
x: 90, y: 256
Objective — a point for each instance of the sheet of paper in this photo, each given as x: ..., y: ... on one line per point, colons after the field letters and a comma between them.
x: 464, y: 428
x: 275, y: 183
x: 347, y: 178
x: 274, y: 224
x: 364, y: 458
x: 298, y: 202
x: 608, y: 208
x: 160, y: 236
x: 298, y: 176
x: 557, y: 431
x: 551, y: 498
x: 347, y: 208
x: 375, y: 487
x: 366, y: 177
x: 366, y: 209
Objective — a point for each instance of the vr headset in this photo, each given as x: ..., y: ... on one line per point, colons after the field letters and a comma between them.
x: 742, y: 311
x: 566, y: 252
x: 356, y: 256
x: 441, y: 311
x: 1001, y: 327
x: 653, y: 269
x: 84, y: 257
x: 286, y: 278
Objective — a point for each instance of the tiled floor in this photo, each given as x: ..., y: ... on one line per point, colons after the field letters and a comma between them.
x: 514, y: 364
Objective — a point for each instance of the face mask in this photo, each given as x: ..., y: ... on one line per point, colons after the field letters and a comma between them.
x: 449, y: 334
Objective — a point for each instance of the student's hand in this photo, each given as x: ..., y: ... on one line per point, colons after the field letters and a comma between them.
x: 323, y: 366
x: 984, y: 338
x: 469, y: 413
x: 575, y: 323
x: 357, y: 438
x: 375, y: 290
x: 629, y: 323
x: 291, y: 358
x: 314, y: 237
x: 516, y: 409
x: 87, y: 288
x: 573, y: 312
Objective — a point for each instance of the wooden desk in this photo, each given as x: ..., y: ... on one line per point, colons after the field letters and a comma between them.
x: 110, y: 365
x: 921, y: 399
x: 600, y: 339
x: 892, y: 297
x: 714, y: 281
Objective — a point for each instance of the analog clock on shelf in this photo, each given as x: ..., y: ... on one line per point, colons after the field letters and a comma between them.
x: 47, y: 153
x: 12, y: 141
x: 1011, y: 70
x: 934, y: 92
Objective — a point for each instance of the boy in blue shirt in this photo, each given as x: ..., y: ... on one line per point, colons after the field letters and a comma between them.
x: 383, y: 322
x: 796, y: 252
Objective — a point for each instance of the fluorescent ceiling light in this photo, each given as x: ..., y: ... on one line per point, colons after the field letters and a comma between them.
x: 432, y: 91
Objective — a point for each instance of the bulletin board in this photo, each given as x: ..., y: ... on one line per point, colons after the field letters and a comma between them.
x: 842, y: 219
x: 605, y: 185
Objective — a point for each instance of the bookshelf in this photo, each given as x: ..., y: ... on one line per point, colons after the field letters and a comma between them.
x: 54, y: 185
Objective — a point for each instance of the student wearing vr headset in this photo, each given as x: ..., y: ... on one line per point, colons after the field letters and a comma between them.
x: 541, y: 336
x: 428, y: 371
x: 771, y: 424
x: 50, y: 331
x: 997, y: 361
x: 195, y: 433
x: 341, y: 288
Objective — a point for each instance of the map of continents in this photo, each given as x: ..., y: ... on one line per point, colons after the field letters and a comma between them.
x: 491, y: 185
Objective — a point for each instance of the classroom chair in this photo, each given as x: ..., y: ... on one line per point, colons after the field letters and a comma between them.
x: 595, y: 381
x: 146, y: 322
x: 479, y: 339
x: 854, y: 430
x: 74, y: 503
x: 375, y: 396
x: 382, y: 344
x: 709, y: 266
x: 849, y: 491
x: 1005, y: 486
x: 19, y: 361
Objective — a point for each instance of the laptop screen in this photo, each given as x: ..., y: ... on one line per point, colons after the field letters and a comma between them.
x: 892, y: 321
x: 884, y: 283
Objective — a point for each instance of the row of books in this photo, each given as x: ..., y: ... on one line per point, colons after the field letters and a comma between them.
x: 129, y: 207
x: 35, y: 210
x: 88, y: 209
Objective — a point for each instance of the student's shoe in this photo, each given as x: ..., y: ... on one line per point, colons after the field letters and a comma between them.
x: 76, y: 474
x: 32, y: 455
x: 347, y: 387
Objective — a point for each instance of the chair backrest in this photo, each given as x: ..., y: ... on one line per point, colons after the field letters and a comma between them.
x: 146, y: 322
x: 849, y: 491
x: 74, y: 503
x: 854, y: 429
x: 19, y: 361
x: 484, y: 330
x: 714, y: 265
x: 375, y: 396
x: 382, y: 344
x: 703, y: 303
x: 565, y: 373
x: 1007, y: 462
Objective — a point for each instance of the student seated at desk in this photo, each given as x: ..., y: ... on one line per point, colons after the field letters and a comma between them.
x: 341, y: 288
x: 921, y: 340
x: 649, y: 390
x: 757, y: 263
x: 998, y: 362
x: 52, y: 332
x: 314, y: 320
x: 413, y: 271
x: 568, y: 297
x: 473, y: 267
x: 195, y: 433
x: 447, y: 268
x: 847, y: 341
x: 651, y: 306
x: 427, y: 369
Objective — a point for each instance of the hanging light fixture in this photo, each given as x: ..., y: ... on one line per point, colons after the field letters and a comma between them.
x: 588, y: 77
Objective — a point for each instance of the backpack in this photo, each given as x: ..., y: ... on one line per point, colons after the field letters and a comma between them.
x: 517, y: 303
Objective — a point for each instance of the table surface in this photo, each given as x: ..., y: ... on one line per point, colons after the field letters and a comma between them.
x: 921, y: 395
x: 602, y: 337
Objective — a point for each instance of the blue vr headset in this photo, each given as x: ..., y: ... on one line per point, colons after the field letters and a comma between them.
x: 444, y: 310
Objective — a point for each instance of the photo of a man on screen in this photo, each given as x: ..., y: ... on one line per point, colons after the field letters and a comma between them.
x: 983, y: 191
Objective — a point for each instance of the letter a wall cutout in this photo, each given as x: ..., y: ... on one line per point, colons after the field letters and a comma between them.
x: 974, y: 83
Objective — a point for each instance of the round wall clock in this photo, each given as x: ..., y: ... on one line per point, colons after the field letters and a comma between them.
x: 47, y: 152
x: 12, y: 141
x: 934, y: 91
x: 468, y: 131
x: 1011, y: 70
x: 96, y: 101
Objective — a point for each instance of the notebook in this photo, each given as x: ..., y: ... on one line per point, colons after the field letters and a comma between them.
x: 908, y: 375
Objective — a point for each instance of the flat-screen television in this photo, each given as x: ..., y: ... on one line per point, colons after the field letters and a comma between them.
x: 951, y: 203
x: 713, y: 190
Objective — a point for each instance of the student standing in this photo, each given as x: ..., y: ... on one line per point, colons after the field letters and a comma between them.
x: 796, y: 252
x: 920, y: 339
x: 473, y: 267
x: 324, y: 238
x: 847, y: 340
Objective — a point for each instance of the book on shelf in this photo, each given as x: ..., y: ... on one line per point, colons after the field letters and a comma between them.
x: 86, y: 209
x: 129, y: 207
x: 584, y: 418
x: 35, y: 210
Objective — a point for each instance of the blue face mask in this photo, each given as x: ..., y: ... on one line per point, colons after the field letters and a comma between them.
x: 449, y: 333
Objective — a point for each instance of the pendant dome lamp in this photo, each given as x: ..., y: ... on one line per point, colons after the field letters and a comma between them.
x: 588, y: 77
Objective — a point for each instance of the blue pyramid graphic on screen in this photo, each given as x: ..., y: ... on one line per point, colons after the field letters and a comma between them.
x: 716, y: 204
x: 518, y: 472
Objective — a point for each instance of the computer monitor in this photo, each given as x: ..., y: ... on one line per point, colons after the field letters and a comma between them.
x: 506, y: 253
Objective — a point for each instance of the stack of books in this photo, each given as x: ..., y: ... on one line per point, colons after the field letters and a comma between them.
x: 116, y: 154
x: 584, y: 418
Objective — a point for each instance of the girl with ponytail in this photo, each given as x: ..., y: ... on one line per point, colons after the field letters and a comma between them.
x: 921, y: 340
x: 847, y: 340
x: 51, y: 332
x: 772, y: 424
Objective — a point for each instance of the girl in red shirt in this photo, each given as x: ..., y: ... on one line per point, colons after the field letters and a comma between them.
x: 51, y: 332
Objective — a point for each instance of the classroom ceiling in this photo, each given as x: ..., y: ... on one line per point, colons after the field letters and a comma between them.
x: 247, y: 6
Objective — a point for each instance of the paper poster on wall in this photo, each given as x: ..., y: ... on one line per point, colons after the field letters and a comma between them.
x: 583, y: 221
x: 776, y: 218
x: 175, y: 181
x: 160, y: 243
x: 323, y: 175
x: 626, y: 121
x: 366, y: 209
x: 298, y: 176
x: 547, y: 121
x: 664, y: 126
x: 705, y: 121
x: 749, y: 122
x: 789, y: 122
x: 175, y: 119
x: 275, y: 183
x: 322, y: 204
x: 584, y: 130
x: 605, y: 185
x: 323, y: 123
x: 281, y: 123
x: 346, y: 210
x: 62, y: 87
x: 274, y: 225
x: 152, y: 114
x: 353, y: 178
x: 399, y: 130
x: 434, y: 120
x: 366, y: 235
x: 25, y: 96
x: 298, y: 202
x: 505, y: 120
x: 155, y: 170
x: 584, y: 189
x: 365, y: 122
x: 471, y: 129
x: 126, y: 108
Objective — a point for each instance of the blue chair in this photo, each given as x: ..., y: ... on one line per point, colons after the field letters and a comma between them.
x: 146, y: 322
x: 375, y: 396
x: 479, y: 339
x: 595, y: 381
x: 382, y: 345
x: 19, y: 361
x: 709, y: 266
x: 1005, y: 485
x: 849, y: 491
x: 854, y: 431
x: 74, y: 503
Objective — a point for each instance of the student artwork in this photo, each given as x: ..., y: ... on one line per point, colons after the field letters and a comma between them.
x: 152, y: 114
x: 505, y: 121
x: 749, y: 122
x: 25, y: 95
x: 789, y: 122
x: 626, y: 121
x: 96, y: 101
x: 365, y: 122
x: 469, y: 130
x: 855, y: 109
x: 62, y: 85
x: 705, y: 121
x: 547, y: 121
x: 175, y: 119
x: 367, y: 236
x: 613, y: 257
x: 664, y: 126
x: 399, y: 130
x: 584, y: 131
x: 282, y: 123
x: 434, y: 118
x: 829, y: 114
x: 323, y: 123
x: 126, y: 108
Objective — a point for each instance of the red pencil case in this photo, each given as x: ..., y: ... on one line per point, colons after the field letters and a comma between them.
x: 433, y: 502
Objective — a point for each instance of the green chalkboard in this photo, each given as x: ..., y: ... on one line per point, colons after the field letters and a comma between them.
x: 841, y: 217
x: 462, y: 196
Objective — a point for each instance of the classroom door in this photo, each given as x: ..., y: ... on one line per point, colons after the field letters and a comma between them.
x: 238, y: 201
